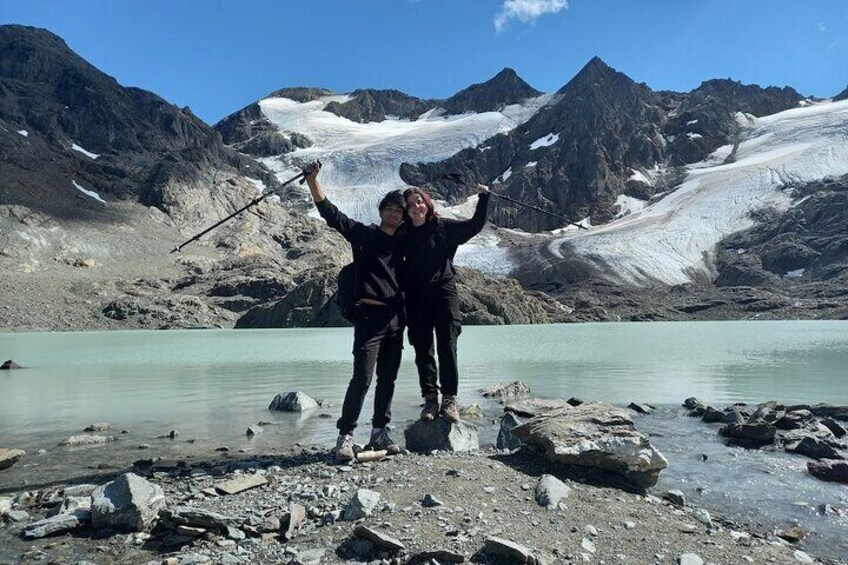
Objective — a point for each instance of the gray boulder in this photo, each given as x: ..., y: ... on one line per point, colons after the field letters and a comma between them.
x: 363, y: 504
x: 378, y: 538
x: 9, y: 457
x: 442, y: 435
x: 794, y: 420
x: 595, y: 435
x: 127, y: 503
x: 550, y: 491
x: 832, y: 470
x: 9, y: 365
x: 293, y: 402
x: 749, y: 435
x: 814, y: 448
x: 60, y: 523
x: 835, y: 427
x: 506, y: 440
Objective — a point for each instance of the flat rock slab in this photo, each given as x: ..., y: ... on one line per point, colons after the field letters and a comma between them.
x: 442, y: 435
x: 197, y: 517
x: 57, y: 524
x: 595, y: 435
x: 506, y: 390
x: 242, y: 483
x: 9, y: 457
x: 531, y: 407
x: 84, y: 439
x: 514, y: 552
x: 378, y: 538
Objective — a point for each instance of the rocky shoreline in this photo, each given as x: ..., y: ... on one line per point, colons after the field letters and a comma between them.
x: 447, y: 507
x: 567, y: 482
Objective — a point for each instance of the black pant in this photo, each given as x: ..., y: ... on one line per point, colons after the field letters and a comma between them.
x: 429, y: 310
x: 377, y: 342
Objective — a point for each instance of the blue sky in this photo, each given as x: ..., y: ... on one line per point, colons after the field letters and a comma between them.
x: 217, y: 56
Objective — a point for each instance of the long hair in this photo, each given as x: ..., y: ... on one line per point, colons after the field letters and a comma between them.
x: 431, y: 209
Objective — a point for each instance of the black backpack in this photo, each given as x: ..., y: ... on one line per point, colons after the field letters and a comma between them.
x: 346, y: 292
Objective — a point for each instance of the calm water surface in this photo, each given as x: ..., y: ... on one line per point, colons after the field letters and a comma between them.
x: 210, y: 385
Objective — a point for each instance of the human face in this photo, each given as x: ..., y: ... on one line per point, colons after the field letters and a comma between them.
x: 391, y: 216
x: 416, y: 209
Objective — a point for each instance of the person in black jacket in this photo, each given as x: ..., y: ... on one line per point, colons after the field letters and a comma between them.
x: 428, y: 244
x: 378, y: 320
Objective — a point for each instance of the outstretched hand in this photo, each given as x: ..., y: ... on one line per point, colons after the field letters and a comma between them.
x: 311, y: 170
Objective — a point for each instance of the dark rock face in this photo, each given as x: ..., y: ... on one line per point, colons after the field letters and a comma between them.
x: 705, y: 118
x: 143, y: 142
x: 606, y: 126
x: 829, y: 470
x: 841, y: 96
x: 376, y: 105
x: 483, y: 301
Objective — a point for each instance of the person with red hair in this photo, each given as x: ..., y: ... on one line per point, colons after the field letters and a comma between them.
x: 428, y: 244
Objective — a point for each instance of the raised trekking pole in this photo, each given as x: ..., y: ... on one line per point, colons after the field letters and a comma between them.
x: 254, y: 202
x: 458, y: 178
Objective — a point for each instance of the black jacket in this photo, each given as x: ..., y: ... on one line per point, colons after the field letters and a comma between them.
x: 376, y: 256
x: 428, y: 250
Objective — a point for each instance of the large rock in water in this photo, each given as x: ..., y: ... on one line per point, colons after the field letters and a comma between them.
x: 127, y: 503
x: 9, y: 457
x: 292, y: 402
x: 829, y: 470
x: 595, y: 435
x: 423, y: 437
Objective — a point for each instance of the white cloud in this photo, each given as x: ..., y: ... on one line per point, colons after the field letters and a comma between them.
x: 526, y: 11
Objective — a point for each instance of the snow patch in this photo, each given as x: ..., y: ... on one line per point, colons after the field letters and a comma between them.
x: 628, y: 205
x: 691, y: 122
x: 23, y: 132
x: 504, y: 176
x: 89, y: 193
x: 691, y: 135
x: 361, y: 162
x: 796, y: 274
x: 260, y: 186
x: 545, y: 141
x: 531, y: 164
x: 673, y: 239
x: 89, y: 154
x: 639, y: 176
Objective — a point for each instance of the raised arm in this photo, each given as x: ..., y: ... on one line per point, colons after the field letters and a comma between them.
x: 350, y: 229
x: 461, y: 231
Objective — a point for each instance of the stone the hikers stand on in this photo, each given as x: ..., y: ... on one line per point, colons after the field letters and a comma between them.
x: 442, y: 435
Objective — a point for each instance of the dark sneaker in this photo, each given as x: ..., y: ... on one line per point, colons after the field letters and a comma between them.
x: 449, y: 408
x: 431, y: 407
x: 344, y: 448
x: 380, y: 439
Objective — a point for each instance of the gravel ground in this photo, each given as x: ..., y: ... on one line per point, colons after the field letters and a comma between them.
x: 481, y: 494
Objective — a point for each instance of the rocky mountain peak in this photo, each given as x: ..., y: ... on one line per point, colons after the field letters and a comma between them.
x: 842, y: 95
x: 503, y: 89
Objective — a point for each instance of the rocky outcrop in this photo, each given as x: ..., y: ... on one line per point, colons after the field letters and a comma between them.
x: 134, y: 141
x: 484, y: 300
x: 376, y: 105
x: 595, y: 437
x: 829, y: 470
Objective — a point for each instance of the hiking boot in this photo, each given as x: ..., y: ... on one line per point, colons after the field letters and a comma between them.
x: 431, y: 407
x: 380, y: 439
x: 344, y: 448
x: 449, y: 408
